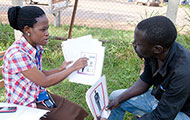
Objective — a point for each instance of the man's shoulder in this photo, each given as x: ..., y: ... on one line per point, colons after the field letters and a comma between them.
x: 182, y: 49
x: 181, y: 59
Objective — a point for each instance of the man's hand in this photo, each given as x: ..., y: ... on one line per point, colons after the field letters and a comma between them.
x: 113, y: 104
x: 99, y: 118
x: 103, y: 119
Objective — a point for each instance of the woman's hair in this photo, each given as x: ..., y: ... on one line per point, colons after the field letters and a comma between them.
x: 25, y: 16
x: 159, y: 30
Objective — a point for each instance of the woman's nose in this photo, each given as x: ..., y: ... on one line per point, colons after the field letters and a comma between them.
x: 46, y: 33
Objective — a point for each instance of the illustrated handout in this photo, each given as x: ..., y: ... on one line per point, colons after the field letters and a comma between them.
x: 85, y: 46
x: 90, y: 69
x: 97, y: 99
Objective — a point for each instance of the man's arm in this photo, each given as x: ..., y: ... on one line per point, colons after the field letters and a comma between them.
x: 139, y: 87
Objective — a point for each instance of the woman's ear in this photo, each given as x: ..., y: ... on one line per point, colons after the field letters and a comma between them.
x: 158, y: 49
x: 26, y: 30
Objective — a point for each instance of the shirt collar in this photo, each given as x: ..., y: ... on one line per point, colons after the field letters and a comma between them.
x: 28, y: 47
x: 171, y: 53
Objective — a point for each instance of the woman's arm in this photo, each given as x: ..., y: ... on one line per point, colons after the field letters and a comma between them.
x: 44, y: 80
x: 59, y: 69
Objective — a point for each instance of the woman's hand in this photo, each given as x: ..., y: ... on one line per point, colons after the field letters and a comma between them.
x: 80, y: 63
x: 64, y: 65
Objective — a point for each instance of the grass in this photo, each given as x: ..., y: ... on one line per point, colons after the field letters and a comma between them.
x: 121, y: 65
x: 185, y: 6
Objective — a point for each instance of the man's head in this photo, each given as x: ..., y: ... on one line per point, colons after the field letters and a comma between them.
x: 153, y: 36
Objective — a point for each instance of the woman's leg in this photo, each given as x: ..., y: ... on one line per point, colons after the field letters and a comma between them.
x: 65, y: 110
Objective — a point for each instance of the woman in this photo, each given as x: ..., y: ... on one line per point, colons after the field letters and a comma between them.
x: 25, y: 81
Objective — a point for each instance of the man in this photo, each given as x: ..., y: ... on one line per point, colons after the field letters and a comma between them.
x: 167, y: 69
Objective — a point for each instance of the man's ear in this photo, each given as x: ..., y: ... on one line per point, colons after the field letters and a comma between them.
x: 158, y: 49
x: 26, y: 29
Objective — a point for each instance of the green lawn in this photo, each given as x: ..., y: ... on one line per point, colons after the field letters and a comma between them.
x: 121, y: 65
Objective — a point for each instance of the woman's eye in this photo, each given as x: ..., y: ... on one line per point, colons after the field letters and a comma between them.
x: 43, y: 30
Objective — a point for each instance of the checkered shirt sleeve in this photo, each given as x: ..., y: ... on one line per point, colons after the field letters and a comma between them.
x: 19, y: 62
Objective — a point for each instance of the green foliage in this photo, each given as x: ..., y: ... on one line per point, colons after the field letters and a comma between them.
x: 2, y: 94
x: 61, y: 31
x: 147, y: 15
x: 6, y: 39
x: 151, y: 14
x: 184, y: 40
x: 187, y: 11
x: 121, y: 64
x: 188, y: 15
x: 6, y: 36
x: 184, y: 6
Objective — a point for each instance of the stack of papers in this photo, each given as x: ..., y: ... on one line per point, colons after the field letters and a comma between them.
x: 85, y: 46
x: 97, y: 99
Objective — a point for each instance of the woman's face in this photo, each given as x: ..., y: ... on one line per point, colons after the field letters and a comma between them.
x: 39, y: 32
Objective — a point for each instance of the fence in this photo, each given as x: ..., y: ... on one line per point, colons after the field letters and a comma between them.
x: 113, y: 14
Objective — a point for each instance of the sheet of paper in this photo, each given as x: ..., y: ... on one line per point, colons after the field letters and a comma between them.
x: 85, y: 46
x: 97, y: 99
x: 92, y: 72
x: 22, y: 113
x: 78, y: 43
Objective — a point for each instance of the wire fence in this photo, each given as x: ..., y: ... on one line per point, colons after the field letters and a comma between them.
x: 113, y: 14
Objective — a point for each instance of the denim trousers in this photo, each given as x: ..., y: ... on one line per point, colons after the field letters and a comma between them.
x: 139, y: 105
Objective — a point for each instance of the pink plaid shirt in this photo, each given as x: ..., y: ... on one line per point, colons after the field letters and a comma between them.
x: 19, y: 57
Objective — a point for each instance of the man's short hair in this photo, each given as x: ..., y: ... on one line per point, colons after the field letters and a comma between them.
x: 159, y: 30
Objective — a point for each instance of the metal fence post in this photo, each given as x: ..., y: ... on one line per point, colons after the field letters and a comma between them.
x: 57, y: 18
x: 17, y: 33
x: 73, y: 19
x: 172, y: 10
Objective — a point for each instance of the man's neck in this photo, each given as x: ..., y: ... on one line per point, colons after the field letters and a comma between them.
x: 161, y: 58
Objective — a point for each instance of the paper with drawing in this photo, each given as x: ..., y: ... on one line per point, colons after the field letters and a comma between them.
x: 97, y: 99
x: 85, y: 46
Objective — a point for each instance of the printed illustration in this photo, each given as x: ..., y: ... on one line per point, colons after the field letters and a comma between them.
x: 97, y: 100
x: 90, y: 69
